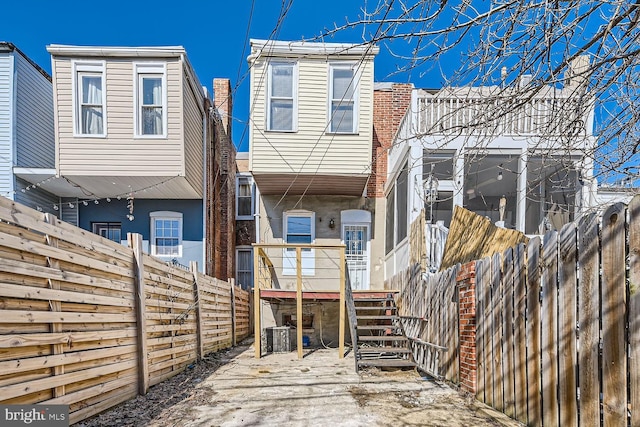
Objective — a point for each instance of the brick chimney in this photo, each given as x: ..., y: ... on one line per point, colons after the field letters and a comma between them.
x: 390, y: 103
x: 222, y: 101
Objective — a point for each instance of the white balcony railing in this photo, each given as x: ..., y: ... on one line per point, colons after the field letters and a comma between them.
x: 495, y: 111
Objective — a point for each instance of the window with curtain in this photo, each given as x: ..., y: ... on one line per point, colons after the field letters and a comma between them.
x: 281, y: 97
x: 166, y: 234
x: 342, y: 99
x: 244, y: 268
x: 151, y: 100
x: 89, y: 99
x: 244, y: 198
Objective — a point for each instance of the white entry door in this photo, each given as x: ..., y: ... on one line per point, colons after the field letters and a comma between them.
x: 356, y: 240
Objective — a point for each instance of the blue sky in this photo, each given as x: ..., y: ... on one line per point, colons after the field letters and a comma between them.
x: 214, y: 33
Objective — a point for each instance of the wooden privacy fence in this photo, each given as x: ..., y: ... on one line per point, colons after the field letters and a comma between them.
x: 428, y: 313
x: 90, y: 323
x: 549, y: 331
x: 558, y: 324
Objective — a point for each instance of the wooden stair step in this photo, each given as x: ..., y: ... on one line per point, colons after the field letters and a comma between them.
x: 378, y: 317
x: 377, y: 307
x: 372, y: 299
x: 377, y: 327
x: 367, y: 351
x: 382, y: 338
x: 387, y: 363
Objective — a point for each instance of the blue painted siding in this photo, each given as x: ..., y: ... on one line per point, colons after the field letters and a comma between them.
x: 116, y: 211
x: 36, y: 198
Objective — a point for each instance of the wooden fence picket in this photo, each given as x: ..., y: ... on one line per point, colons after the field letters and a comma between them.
x: 588, y: 315
x: 634, y: 309
x: 549, y: 285
x: 614, y: 366
x: 480, y: 331
x: 519, y: 335
x: 488, y: 331
x: 567, y: 345
x: 497, y: 307
x: 534, y: 388
x: 507, y: 322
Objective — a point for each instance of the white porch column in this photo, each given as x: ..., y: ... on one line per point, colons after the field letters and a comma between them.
x: 521, y: 207
x: 458, y: 173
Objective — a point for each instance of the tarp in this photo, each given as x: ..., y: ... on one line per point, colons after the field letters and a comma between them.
x: 473, y: 237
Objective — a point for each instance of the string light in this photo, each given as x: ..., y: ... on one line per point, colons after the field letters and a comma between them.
x: 129, y: 195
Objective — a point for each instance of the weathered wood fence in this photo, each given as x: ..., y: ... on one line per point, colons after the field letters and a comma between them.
x: 557, y: 324
x: 428, y: 311
x: 90, y: 323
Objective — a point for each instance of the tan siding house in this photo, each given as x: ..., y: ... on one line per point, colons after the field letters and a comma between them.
x: 128, y: 112
x: 134, y: 143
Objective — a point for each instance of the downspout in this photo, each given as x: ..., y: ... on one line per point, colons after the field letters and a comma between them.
x: 205, y: 198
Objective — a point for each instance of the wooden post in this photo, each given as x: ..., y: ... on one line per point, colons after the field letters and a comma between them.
x: 342, y: 303
x: 55, y: 305
x: 299, y: 300
x: 634, y: 309
x: 135, y: 242
x: 234, y: 323
x: 196, y: 295
x: 256, y: 303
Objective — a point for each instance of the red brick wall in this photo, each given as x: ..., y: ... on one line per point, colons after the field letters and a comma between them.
x: 222, y: 186
x: 389, y: 107
x: 466, y: 282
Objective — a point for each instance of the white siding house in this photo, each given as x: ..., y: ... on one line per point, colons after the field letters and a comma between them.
x: 26, y: 128
x: 480, y: 148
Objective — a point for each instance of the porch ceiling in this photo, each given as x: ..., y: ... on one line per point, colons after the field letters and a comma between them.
x: 88, y: 187
x: 342, y: 185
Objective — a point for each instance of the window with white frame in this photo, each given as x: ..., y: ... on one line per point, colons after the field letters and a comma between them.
x: 299, y: 228
x: 282, y: 96
x: 245, y: 201
x: 89, y: 99
x: 342, y: 99
x: 244, y: 267
x: 151, y: 100
x: 166, y: 234
x: 397, y: 221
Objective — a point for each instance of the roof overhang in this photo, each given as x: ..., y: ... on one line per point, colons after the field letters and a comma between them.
x: 99, y: 187
x: 116, y: 51
x: 278, y: 48
x: 319, y: 185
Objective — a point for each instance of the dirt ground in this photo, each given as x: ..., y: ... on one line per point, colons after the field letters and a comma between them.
x: 232, y: 388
